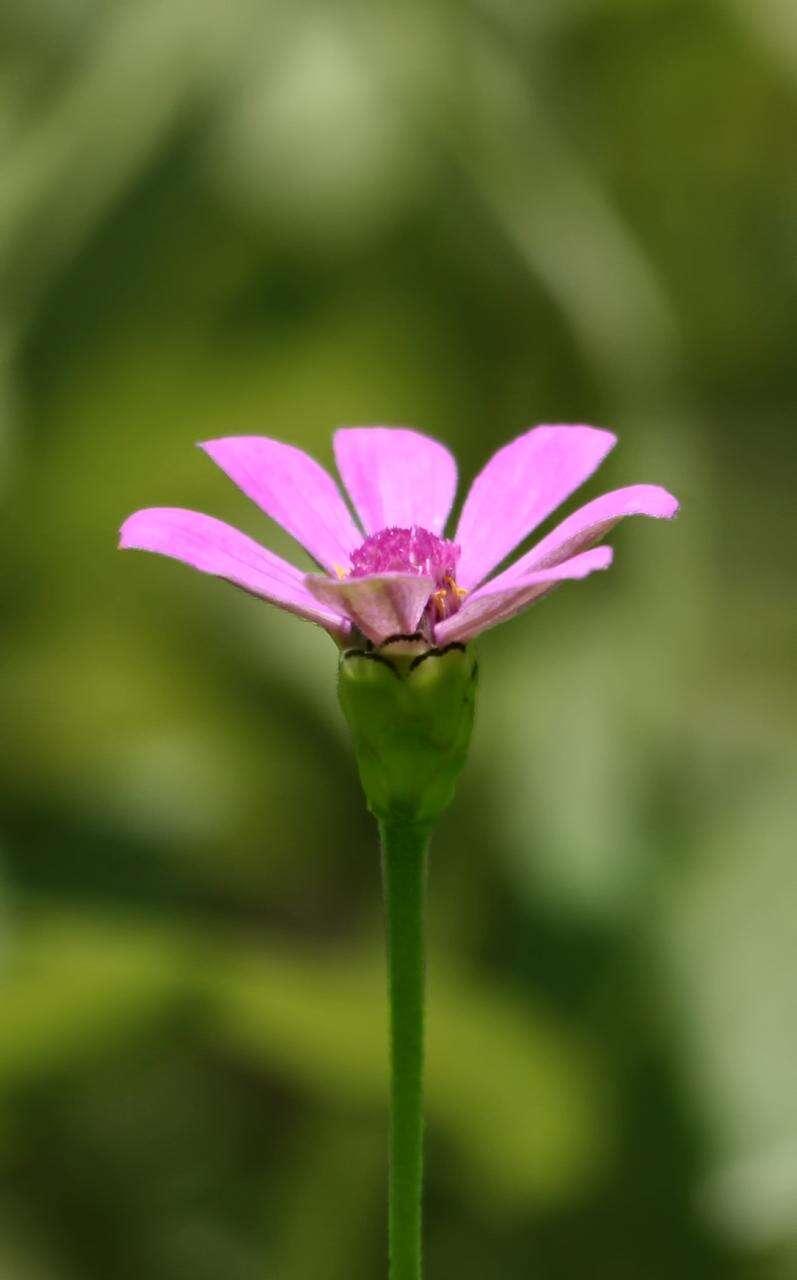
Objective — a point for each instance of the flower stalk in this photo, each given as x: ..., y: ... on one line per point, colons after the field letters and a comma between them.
x: 404, y: 849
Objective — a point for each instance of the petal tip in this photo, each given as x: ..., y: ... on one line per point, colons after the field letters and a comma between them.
x: 219, y: 444
x: 385, y: 430
x: 604, y: 439
x: 653, y: 500
x: 670, y: 505
x: 607, y: 438
x: 127, y: 535
x: 212, y: 447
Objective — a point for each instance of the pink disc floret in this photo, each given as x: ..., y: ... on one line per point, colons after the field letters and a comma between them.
x: 414, y: 550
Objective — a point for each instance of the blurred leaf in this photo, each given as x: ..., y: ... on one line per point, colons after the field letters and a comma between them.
x: 521, y: 1099
x: 726, y: 929
x: 72, y: 989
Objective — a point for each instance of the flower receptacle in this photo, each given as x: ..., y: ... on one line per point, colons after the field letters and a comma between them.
x: 410, y: 709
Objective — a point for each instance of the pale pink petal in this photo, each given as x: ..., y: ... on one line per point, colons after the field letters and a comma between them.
x: 294, y: 490
x: 520, y: 486
x: 396, y: 477
x: 385, y: 604
x: 589, y: 525
x: 215, y: 547
x: 491, y: 605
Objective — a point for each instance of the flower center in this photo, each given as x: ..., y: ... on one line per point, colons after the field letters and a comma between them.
x: 412, y: 550
x: 419, y: 552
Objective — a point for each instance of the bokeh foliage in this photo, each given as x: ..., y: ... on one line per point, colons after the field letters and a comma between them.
x: 232, y: 217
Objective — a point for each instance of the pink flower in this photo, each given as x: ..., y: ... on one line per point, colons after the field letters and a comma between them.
x: 395, y: 573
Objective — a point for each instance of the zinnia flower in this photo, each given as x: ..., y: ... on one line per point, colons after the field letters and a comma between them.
x: 395, y: 573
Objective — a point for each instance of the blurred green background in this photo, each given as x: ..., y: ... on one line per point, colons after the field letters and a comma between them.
x: 232, y: 216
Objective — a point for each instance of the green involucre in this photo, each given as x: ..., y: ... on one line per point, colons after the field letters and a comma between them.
x: 411, y: 716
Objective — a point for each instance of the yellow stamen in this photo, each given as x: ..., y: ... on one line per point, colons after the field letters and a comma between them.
x: 439, y: 598
x: 341, y: 572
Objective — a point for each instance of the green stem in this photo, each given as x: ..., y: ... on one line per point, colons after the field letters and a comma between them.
x: 404, y: 874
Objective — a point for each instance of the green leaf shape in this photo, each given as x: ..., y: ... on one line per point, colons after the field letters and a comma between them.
x: 520, y: 1099
x: 74, y: 988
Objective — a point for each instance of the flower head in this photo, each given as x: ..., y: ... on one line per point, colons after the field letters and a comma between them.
x: 395, y: 573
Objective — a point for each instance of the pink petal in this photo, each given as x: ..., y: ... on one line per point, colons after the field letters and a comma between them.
x: 294, y: 490
x: 385, y: 604
x: 396, y: 477
x: 590, y: 525
x: 216, y: 548
x: 491, y: 605
x: 521, y: 485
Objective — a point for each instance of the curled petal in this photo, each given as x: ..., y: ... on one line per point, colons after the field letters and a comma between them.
x: 590, y: 525
x: 519, y: 487
x: 294, y: 490
x: 382, y: 605
x: 396, y: 477
x: 214, y: 547
x: 493, y: 604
